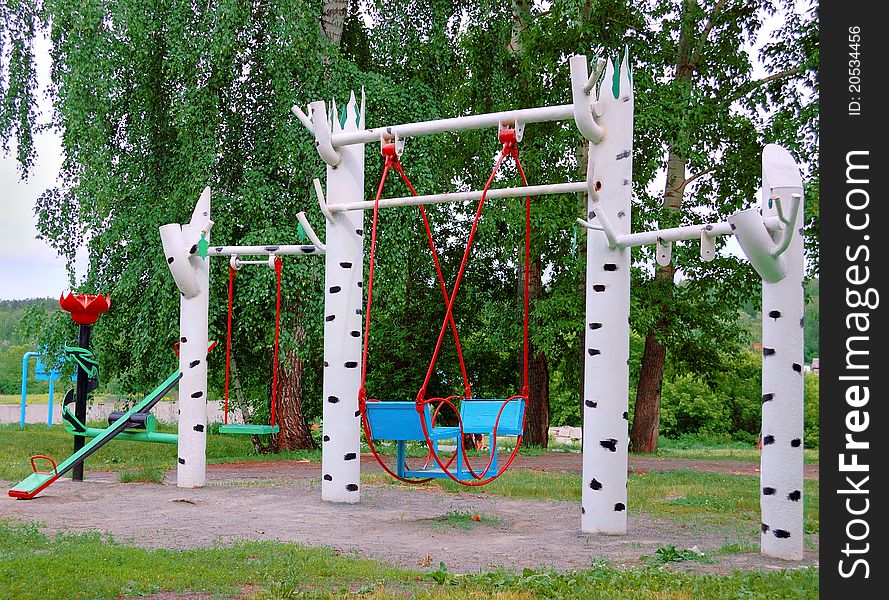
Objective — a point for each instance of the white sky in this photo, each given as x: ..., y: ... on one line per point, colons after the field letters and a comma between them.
x: 29, y: 267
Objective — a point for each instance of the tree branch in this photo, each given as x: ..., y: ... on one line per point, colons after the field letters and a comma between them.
x: 748, y: 87
x: 702, y: 39
x: 688, y: 180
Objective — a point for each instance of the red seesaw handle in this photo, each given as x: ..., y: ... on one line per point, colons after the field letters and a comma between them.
x: 55, y: 470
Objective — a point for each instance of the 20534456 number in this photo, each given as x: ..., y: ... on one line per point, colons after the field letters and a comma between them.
x: 854, y: 76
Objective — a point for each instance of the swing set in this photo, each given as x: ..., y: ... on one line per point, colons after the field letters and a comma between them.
x: 234, y: 265
x: 404, y: 421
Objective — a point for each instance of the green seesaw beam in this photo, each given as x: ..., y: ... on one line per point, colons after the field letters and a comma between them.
x: 38, y: 481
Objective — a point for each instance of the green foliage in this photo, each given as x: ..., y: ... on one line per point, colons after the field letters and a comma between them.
x: 811, y: 418
x: 154, y: 100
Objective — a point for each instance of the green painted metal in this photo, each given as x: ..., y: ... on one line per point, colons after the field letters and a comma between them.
x: 249, y: 429
x: 203, y: 246
x: 35, y: 482
x: 84, y: 358
x: 148, y: 434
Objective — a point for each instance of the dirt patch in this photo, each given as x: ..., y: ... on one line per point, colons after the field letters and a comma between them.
x: 281, y: 501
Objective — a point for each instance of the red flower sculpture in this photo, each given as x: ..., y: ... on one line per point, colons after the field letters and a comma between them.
x: 84, y: 308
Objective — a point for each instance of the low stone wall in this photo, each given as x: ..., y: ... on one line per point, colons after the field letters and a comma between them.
x: 166, y: 412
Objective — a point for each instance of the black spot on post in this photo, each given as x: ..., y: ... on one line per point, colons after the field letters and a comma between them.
x: 271, y: 248
x: 329, y: 318
x: 346, y: 265
x: 591, y: 404
x: 360, y: 284
x: 595, y: 484
x: 797, y: 367
x: 582, y: 510
x: 350, y: 456
x: 326, y: 438
x: 359, y: 231
x: 764, y: 528
x: 357, y: 413
x: 333, y: 399
x: 193, y: 249
x: 183, y: 339
x: 181, y: 461
x: 795, y: 443
x: 795, y: 495
x: 768, y: 491
x: 355, y: 333
x: 595, y: 326
x: 199, y: 428
x: 610, y: 267
x: 732, y: 225
x: 609, y: 444
x: 335, y: 289
x: 802, y: 321
x: 781, y: 533
x: 594, y: 351
x: 620, y: 507
x: 623, y: 155
x: 328, y: 477
x: 768, y: 440
x: 774, y: 314
x: 598, y: 288
x: 193, y: 364
x: 326, y: 364
x: 351, y: 364
x: 170, y: 260
x: 768, y: 351
x: 352, y: 487
x: 768, y: 397
x: 197, y: 394
x: 626, y: 416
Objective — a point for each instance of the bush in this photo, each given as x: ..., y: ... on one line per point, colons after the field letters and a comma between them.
x: 811, y: 430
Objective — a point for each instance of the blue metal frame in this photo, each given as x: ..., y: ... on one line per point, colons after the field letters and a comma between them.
x: 41, y: 373
x: 400, y: 421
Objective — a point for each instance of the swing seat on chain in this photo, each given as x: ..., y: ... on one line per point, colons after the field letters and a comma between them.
x: 249, y: 429
x: 399, y: 421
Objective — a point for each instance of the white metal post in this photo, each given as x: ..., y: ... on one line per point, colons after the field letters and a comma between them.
x: 782, y: 368
x: 343, y: 326
x: 192, y: 275
x: 606, y: 372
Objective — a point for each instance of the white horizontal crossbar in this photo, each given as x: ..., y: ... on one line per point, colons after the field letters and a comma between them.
x: 510, y: 192
x: 523, y: 115
x: 263, y: 250
x: 689, y: 232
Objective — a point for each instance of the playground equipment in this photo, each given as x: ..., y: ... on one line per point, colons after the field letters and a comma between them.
x: 250, y: 428
x: 403, y: 421
x: 602, y: 110
x: 42, y: 374
x: 40, y: 480
x: 187, y: 249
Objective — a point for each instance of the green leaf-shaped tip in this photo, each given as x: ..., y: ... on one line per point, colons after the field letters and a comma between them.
x: 615, y: 80
x: 203, y: 246
x: 301, y: 233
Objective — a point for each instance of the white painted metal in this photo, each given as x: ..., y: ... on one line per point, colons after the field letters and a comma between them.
x: 406, y: 130
x: 582, y: 95
x: 673, y: 234
x: 263, y: 250
x: 606, y: 370
x: 343, y: 326
x: 180, y: 248
x: 781, y: 467
x: 510, y: 192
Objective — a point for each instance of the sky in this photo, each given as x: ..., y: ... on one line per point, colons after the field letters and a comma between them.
x: 29, y: 267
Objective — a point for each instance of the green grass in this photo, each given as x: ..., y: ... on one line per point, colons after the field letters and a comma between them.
x: 143, y: 475
x: 697, y: 448
x: 95, y: 566
x: 686, y: 496
x: 44, y: 398
x: 464, y: 520
x: 17, y: 445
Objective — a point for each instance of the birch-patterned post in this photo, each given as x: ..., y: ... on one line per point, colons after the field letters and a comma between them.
x: 781, y: 467
x: 191, y: 271
x: 607, y: 350
x: 344, y: 267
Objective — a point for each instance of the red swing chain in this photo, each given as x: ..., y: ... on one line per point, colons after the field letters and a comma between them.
x: 508, y: 138
x: 228, y: 340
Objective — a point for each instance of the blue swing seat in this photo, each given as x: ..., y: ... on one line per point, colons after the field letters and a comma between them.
x: 399, y: 421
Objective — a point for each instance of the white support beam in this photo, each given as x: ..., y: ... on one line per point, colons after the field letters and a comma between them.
x: 263, y: 250
x: 510, y: 192
x: 781, y: 461
x: 607, y: 327
x: 524, y: 115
